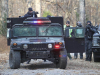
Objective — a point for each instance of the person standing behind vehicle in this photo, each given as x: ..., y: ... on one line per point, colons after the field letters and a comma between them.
x: 89, y: 31
x: 68, y: 25
x: 76, y: 54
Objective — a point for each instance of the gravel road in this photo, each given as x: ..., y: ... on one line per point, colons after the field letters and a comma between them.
x: 39, y: 67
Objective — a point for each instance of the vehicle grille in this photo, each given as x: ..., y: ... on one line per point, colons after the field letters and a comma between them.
x: 37, y: 46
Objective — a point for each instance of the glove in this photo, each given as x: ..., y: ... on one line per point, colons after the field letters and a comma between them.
x: 88, y: 27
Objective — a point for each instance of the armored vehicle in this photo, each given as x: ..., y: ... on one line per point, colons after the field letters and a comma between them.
x: 42, y: 38
x: 36, y: 38
x: 96, y: 47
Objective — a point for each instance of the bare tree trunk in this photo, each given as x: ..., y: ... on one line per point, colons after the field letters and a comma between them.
x: 56, y: 7
x: 82, y: 12
x: 7, y: 8
x: 38, y: 5
x: 96, y: 15
x: 0, y: 9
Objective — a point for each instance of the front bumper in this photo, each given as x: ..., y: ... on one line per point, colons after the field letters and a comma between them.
x: 38, y: 54
x: 35, y: 47
x: 96, y: 49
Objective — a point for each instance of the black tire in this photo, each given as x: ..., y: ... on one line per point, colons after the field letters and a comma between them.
x: 14, y: 59
x: 95, y: 57
x: 62, y: 62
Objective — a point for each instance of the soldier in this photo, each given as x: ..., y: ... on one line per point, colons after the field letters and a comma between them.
x: 90, y: 30
x: 68, y: 25
x: 76, y: 54
x: 30, y: 13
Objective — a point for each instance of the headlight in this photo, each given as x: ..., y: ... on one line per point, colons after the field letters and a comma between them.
x: 25, y: 46
x: 49, y: 45
x: 95, y: 41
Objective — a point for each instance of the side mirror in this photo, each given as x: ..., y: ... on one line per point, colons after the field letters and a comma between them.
x: 9, y: 33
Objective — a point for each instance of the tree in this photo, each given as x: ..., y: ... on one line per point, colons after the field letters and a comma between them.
x: 82, y: 12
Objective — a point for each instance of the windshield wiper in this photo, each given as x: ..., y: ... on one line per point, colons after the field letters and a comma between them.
x: 47, y: 28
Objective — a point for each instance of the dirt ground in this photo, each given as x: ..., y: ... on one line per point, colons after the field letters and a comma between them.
x: 3, y: 45
x: 4, y: 49
x: 39, y: 67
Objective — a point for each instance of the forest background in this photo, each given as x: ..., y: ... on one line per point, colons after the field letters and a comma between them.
x: 69, y: 9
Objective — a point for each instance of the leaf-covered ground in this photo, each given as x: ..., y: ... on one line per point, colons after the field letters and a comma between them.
x: 39, y: 67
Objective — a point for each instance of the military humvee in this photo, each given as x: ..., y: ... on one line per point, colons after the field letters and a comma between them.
x: 36, y: 38
x: 42, y: 38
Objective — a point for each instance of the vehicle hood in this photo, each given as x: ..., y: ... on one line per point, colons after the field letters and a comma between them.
x: 38, y: 39
x: 96, y: 35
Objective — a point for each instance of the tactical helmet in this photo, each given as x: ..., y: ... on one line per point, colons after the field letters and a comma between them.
x: 48, y: 16
x: 67, y: 22
x: 89, y: 22
x: 30, y: 9
x: 79, y: 24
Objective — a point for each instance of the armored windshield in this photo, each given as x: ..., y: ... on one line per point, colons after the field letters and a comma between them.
x: 24, y: 31
x: 50, y: 31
